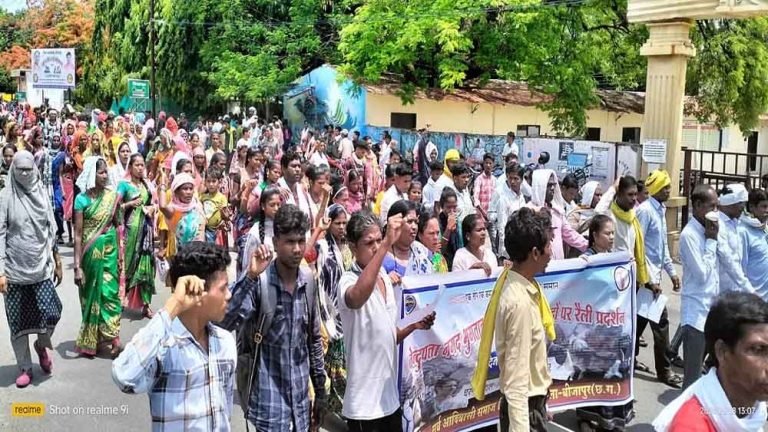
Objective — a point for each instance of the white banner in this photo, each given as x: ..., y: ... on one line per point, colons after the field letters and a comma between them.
x: 590, y: 361
x: 597, y: 159
x: 53, y: 68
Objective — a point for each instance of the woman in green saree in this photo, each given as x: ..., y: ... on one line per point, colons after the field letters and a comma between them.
x: 137, y: 238
x: 96, y: 259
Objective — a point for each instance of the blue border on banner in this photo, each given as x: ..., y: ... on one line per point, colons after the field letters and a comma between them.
x: 553, y: 273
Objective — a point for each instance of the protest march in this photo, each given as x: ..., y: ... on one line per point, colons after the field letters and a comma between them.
x: 397, y: 289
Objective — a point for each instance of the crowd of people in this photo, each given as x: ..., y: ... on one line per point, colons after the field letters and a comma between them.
x: 324, y: 226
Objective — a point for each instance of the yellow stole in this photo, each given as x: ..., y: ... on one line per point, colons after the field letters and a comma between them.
x: 630, y: 218
x: 480, y: 375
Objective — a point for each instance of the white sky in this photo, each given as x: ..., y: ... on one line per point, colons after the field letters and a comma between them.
x: 13, y: 5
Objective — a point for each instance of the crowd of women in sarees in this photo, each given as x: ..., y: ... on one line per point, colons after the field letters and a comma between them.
x: 118, y: 187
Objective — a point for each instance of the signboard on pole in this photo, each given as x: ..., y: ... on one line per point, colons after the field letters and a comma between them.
x: 53, y: 68
x: 138, y: 89
x: 139, y: 95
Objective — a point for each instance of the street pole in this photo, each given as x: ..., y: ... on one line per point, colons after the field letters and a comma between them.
x: 152, y: 54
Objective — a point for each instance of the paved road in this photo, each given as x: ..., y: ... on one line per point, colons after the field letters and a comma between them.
x: 80, y: 395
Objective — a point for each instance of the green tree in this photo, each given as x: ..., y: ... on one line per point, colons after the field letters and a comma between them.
x: 564, y: 48
x: 262, y: 46
x: 209, y: 51
x: 7, y: 83
x: 729, y: 75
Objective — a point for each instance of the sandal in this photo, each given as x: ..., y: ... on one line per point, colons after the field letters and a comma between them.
x: 116, y: 349
x: 642, y: 367
x: 24, y: 378
x: 147, y: 312
x: 672, y: 380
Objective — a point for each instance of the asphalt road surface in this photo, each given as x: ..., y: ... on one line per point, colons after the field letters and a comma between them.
x: 80, y: 394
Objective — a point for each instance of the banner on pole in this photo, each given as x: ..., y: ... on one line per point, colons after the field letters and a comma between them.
x: 53, y: 68
x: 590, y: 361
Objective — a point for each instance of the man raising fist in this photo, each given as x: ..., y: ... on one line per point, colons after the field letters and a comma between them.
x: 180, y: 347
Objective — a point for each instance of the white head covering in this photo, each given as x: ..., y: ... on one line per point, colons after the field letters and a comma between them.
x: 176, y: 158
x: 428, y: 151
x: 149, y: 124
x: 87, y: 178
x: 180, y: 180
x: 539, y: 190
x: 588, y: 193
x: 733, y: 194
x: 166, y: 133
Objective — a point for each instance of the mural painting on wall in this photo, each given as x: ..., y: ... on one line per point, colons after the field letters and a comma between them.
x: 319, y: 100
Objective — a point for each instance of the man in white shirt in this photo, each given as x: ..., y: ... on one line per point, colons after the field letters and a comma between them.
x: 510, y: 147
x: 618, y: 203
x: 368, y: 312
x: 387, y: 145
x: 429, y: 193
x: 731, y: 396
x: 291, y: 188
x: 318, y: 156
x: 461, y: 173
x: 651, y: 215
x: 398, y: 191
x: 506, y: 199
x: 729, y: 249
x: 245, y: 139
x: 701, y: 279
x: 346, y: 146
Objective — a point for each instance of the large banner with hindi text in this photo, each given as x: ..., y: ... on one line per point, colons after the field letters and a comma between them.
x: 590, y: 361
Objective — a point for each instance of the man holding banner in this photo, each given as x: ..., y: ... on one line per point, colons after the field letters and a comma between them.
x: 522, y: 317
x: 618, y: 203
x: 369, y: 316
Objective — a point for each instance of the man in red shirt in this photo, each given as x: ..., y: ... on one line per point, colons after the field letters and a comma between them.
x: 731, y: 396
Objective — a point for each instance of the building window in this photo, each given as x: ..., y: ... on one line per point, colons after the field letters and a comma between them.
x: 630, y: 135
x: 402, y: 120
x: 528, y: 130
x: 593, y: 134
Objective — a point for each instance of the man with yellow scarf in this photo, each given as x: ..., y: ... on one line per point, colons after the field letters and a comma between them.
x: 651, y: 214
x: 618, y: 203
x: 519, y: 315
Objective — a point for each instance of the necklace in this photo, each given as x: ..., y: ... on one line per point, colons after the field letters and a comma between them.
x: 398, y: 253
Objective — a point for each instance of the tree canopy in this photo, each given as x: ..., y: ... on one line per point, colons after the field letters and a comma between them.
x: 564, y: 48
x: 210, y: 51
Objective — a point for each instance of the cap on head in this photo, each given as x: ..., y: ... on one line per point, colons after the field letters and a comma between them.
x: 733, y: 194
